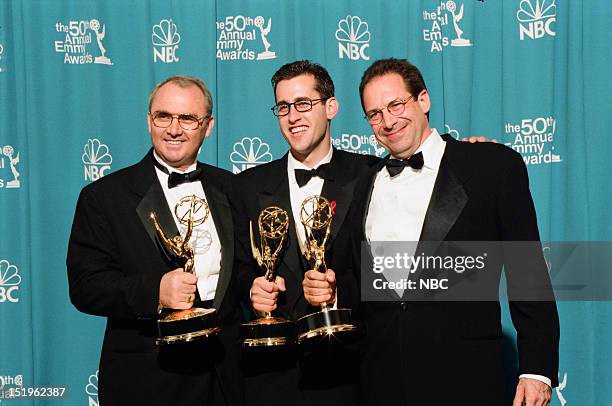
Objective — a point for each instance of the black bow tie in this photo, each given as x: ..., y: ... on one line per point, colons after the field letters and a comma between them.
x: 303, y: 176
x: 175, y: 178
x: 396, y: 166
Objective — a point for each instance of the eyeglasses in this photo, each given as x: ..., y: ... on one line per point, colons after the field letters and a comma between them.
x: 396, y: 107
x: 302, y: 106
x: 163, y: 119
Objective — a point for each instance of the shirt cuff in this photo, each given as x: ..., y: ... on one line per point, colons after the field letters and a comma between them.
x: 335, y: 305
x: 540, y: 378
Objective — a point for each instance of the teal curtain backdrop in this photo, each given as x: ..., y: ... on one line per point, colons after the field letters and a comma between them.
x: 74, y: 83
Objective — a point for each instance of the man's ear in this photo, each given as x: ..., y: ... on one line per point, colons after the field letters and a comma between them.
x: 149, y: 122
x: 331, y: 107
x: 424, y: 101
x: 209, y: 126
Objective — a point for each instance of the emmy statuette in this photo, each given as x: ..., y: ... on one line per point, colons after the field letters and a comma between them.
x: 196, y: 323
x: 327, y: 324
x: 273, y: 224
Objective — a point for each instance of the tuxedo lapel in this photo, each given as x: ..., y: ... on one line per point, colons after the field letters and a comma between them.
x: 276, y: 193
x: 221, y: 216
x: 339, y: 192
x: 445, y: 206
x: 147, y: 185
x: 447, y: 201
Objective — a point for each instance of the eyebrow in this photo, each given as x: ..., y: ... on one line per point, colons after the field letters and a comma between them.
x: 397, y: 99
x: 298, y: 99
x: 178, y: 114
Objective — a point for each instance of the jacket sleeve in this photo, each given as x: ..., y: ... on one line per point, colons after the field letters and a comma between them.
x: 532, y: 303
x: 98, y: 282
x: 245, y: 267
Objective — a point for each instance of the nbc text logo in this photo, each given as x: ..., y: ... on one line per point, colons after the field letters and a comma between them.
x: 97, y: 159
x: 91, y: 389
x: 353, y: 38
x: 535, y: 22
x: 165, y: 39
x: 8, y: 156
x: 534, y: 139
x: 9, y: 282
x: 76, y: 44
x: 446, y: 12
x: 237, y: 38
x: 249, y: 152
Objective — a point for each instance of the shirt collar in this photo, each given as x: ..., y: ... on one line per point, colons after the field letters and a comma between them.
x: 433, y: 150
x: 293, y: 164
x: 171, y: 169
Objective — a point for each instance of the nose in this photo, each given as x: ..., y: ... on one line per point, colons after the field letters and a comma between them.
x: 293, y: 115
x: 388, y: 120
x: 174, y: 129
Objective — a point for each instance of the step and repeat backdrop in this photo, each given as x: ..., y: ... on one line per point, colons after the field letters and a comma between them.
x: 75, y: 78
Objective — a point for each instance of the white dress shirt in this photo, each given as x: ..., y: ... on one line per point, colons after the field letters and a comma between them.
x: 406, y: 196
x: 204, y: 239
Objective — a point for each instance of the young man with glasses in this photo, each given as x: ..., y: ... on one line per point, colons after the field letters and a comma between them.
x: 117, y: 267
x: 434, y: 189
x: 304, y: 106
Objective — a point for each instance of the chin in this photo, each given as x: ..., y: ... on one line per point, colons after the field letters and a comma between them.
x: 301, y: 149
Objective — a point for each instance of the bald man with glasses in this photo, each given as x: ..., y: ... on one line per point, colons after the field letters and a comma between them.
x: 118, y: 267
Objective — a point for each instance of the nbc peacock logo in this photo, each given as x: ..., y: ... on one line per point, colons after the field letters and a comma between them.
x: 96, y: 158
x: 353, y: 37
x: 9, y: 282
x: 536, y: 20
x: 91, y: 389
x: 249, y: 152
x: 452, y: 131
x: 165, y: 38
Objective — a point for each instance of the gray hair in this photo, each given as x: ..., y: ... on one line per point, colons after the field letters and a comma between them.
x: 185, y: 81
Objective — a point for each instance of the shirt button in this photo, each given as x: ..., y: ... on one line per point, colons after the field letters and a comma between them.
x: 403, y: 305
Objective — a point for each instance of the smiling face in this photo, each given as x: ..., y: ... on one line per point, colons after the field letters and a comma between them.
x: 400, y: 135
x: 307, y: 133
x: 174, y: 145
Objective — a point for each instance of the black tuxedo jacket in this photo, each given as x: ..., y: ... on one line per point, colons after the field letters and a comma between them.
x: 283, y: 375
x: 441, y: 353
x: 115, y: 264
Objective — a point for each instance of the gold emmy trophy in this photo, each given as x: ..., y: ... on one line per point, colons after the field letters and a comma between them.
x: 273, y: 224
x: 316, y: 216
x: 196, y: 323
